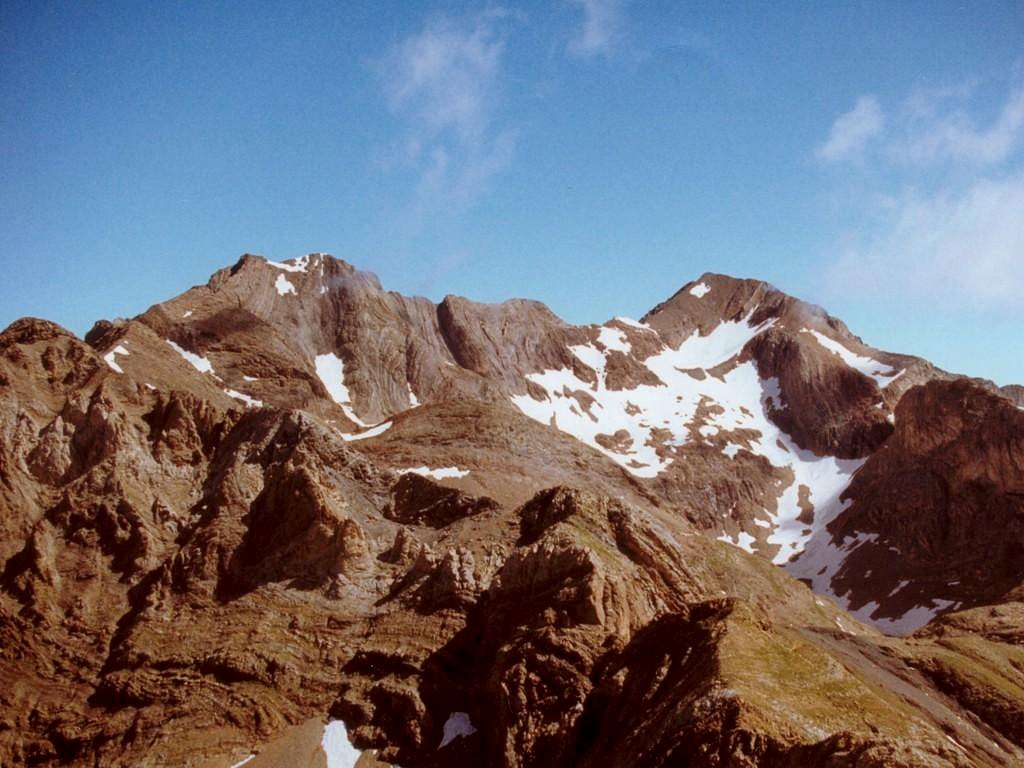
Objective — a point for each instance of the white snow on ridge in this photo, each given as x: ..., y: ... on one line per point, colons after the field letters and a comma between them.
x: 250, y: 402
x: 700, y: 290
x: 883, y: 374
x: 111, y: 360
x: 437, y: 474
x: 414, y: 402
x: 283, y: 286
x: 201, y: 364
x: 724, y: 342
x: 634, y: 323
x: 296, y: 265
x: 457, y: 725
x: 331, y: 370
x: 242, y: 762
x: 337, y: 746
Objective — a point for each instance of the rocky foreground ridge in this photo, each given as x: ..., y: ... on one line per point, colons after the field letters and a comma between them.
x: 728, y: 534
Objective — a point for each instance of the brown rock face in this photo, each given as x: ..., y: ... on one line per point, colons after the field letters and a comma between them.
x: 830, y: 409
x: 420, y: 501
x: 947, y: 492
x: 478, y: 535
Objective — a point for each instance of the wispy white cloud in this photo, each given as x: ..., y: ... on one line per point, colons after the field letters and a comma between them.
x: 600, y: 28
x: 954, y: 135
x: 931, y: 126
x: 945, y: 201
x: 964, y: 248
x: 852, y: 131
x: 443, y: 82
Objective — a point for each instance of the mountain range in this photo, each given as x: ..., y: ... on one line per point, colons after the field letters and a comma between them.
x: 291, y: 518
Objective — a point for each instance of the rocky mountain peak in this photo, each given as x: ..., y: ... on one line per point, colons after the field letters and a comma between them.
x: 469, y: 534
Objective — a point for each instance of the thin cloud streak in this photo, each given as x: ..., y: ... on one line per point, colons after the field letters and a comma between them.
x: 852, y: 131
x: 965, y: 248
x: 600, y: 27
x: 955, y: 137
x: 443, y: 84
x: 931, y: 127
x: 960, y: 239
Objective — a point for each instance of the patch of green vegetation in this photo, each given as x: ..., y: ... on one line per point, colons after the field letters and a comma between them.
x: 809, y: 689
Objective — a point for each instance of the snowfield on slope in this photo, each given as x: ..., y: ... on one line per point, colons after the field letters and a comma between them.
x: 883, y: 374
x: 641, y: 410
x: 739, y: 399
x: 331, y: 370
x: 201, y: 364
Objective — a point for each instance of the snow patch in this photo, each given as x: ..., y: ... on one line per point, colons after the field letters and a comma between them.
x: 457, y: 725
x: 908, y: 622
x: 249, y: 378
x: 371, y: 432
x: 700, y: 290
x: 773, y: 394
x: 823, y: 558
x: 437, y: 474
x: 731, y: 449
x: 240, y: 763
x: 898, y: 587
x: 414, y: 401
x: 883, y: 374
x: 110, y: 360
x: 187, y: 314
x: 250, y: 402
x: 292, y: 265
x: 337, y: 746
x: 283, y: 286
x: 634, y: 323
x: 331, y: 370
x: 613, y: 338
x: 724, y: 342
x: 201, y: 364
x: 743, y: 540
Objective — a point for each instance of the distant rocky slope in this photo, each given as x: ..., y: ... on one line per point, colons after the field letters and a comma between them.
x: 465, y: 534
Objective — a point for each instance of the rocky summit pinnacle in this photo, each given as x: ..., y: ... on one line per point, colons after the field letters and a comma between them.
x: 289, y: 517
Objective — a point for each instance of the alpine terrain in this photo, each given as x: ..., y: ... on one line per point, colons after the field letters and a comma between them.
x: 289, y: 518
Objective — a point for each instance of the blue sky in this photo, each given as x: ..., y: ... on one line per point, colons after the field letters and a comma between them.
x: 592, y: 154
